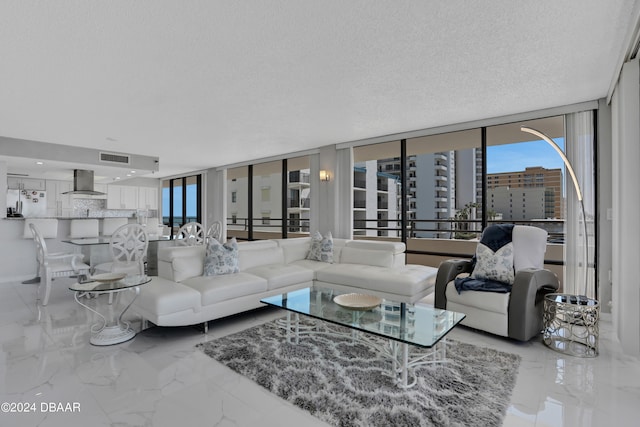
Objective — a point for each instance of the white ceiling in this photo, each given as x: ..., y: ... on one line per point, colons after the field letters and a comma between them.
x: 208, y: 83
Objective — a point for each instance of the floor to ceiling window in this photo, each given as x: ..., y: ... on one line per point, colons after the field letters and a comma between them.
x: 525, y: 178
x: 444, y: 186
x: 376, y: 190
x: 269, y: 200
x: 298, y: 196
x: 456, y: 183
x: 238, y: 202
x: 181, y: 201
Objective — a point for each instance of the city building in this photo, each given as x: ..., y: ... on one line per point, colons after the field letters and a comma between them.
x: 533, y: 177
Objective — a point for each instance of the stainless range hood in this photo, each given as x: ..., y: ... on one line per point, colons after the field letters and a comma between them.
x: 83, y: 183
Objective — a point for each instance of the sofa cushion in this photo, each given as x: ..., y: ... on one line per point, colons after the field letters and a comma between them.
x: 393, y: 247
x: 295, y: 249
x: 221, y: 258
x: 162, y: 297
x: 321, y: 248
x: 487, y: 301
x: 168, y: 253
x: 247, y: 259
x: 407, y: 280
x: 281, y: 275
x: 351, y: 255
x: 187, y: 267
x: 311, y: 265
x: 214, y: 289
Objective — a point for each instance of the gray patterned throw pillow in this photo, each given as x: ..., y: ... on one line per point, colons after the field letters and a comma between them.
x: 496, y: 265
x: 221, y: 259
x: 321, y: 248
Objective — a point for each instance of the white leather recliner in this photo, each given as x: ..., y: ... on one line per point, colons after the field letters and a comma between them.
x: 516, y: 314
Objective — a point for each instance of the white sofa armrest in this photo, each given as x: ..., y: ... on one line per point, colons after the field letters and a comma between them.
x: 167, y: 267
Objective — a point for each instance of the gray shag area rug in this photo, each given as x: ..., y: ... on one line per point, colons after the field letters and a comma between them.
x: 343, y: 382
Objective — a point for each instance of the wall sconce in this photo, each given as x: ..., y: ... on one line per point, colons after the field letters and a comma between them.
x: 325, y: 176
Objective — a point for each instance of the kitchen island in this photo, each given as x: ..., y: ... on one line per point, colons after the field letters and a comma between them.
x: 18, y: 254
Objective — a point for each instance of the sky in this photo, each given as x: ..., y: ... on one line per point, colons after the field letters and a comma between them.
x: 516, y: 157
x: 191, y: 195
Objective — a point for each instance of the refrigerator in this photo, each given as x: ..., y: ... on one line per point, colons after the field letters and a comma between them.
x: 27, y: 203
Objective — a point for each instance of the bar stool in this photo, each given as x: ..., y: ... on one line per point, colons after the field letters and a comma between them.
x: 81, y: 228
x: 48, y: 229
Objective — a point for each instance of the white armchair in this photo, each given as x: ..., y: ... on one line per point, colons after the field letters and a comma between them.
x: 515, y: 314
x: 56, y: 265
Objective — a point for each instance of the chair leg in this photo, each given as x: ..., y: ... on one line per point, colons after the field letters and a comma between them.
x: 36, y: 279
x: 45, y: 289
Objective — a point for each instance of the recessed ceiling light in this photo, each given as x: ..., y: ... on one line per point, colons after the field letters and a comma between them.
x: 39, y: 163
x: 128, y: 174
x: 133, y: 171
x: 117, y: 177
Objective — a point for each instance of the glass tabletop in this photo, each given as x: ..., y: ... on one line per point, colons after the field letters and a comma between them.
x: 104, y: 240
x: 572, y: 299
x: 412, y: 324
x: 118, y: 285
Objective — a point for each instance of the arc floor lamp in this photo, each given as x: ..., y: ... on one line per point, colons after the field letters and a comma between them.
x: 578, y: 193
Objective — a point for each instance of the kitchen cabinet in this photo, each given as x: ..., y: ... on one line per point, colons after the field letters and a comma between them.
x: 122, y: 197
x: 59, y: 204
x: 16, y: 183
x: 148, y: 198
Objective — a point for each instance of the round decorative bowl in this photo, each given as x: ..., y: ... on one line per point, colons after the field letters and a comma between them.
x: 108, y: 277
x: 360, y: 302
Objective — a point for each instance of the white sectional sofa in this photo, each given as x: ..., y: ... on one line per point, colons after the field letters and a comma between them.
x: 181, y: 295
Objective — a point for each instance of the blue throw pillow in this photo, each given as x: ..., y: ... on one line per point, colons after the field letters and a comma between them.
x: 221, y: 259
x: 321, y: 248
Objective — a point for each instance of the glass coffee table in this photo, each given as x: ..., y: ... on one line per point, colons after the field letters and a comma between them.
x: 403, y: 325
x: 112, y: 329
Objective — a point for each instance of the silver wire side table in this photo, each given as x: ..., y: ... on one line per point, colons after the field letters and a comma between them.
x: 571, y: 324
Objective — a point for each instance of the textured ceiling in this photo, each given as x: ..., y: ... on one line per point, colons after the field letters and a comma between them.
x: 208, y: 83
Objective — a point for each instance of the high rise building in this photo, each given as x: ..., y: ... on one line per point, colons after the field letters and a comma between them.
x: 532, y: 177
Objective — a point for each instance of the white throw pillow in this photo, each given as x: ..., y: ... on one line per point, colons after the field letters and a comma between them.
x: 497, y: 266
x: 221, y: 259
x: 321, y: 248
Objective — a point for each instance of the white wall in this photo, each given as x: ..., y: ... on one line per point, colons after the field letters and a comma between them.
x: 605, y: 203
x: 626, y: 206
x: 3, y: 189
x: 215, y: 199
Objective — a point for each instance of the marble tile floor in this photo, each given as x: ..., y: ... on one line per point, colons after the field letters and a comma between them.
x: 159, y: 379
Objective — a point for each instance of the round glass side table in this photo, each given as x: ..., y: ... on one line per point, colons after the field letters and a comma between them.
x: 111, y: 329
x: 571, y: 324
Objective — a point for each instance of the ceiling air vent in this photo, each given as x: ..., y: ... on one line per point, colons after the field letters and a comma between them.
x: 122, y: 159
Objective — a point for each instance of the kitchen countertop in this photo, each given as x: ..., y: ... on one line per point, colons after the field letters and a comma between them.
x: 66, y: 217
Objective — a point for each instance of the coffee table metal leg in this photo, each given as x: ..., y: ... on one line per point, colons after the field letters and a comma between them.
x: 405, y: 365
